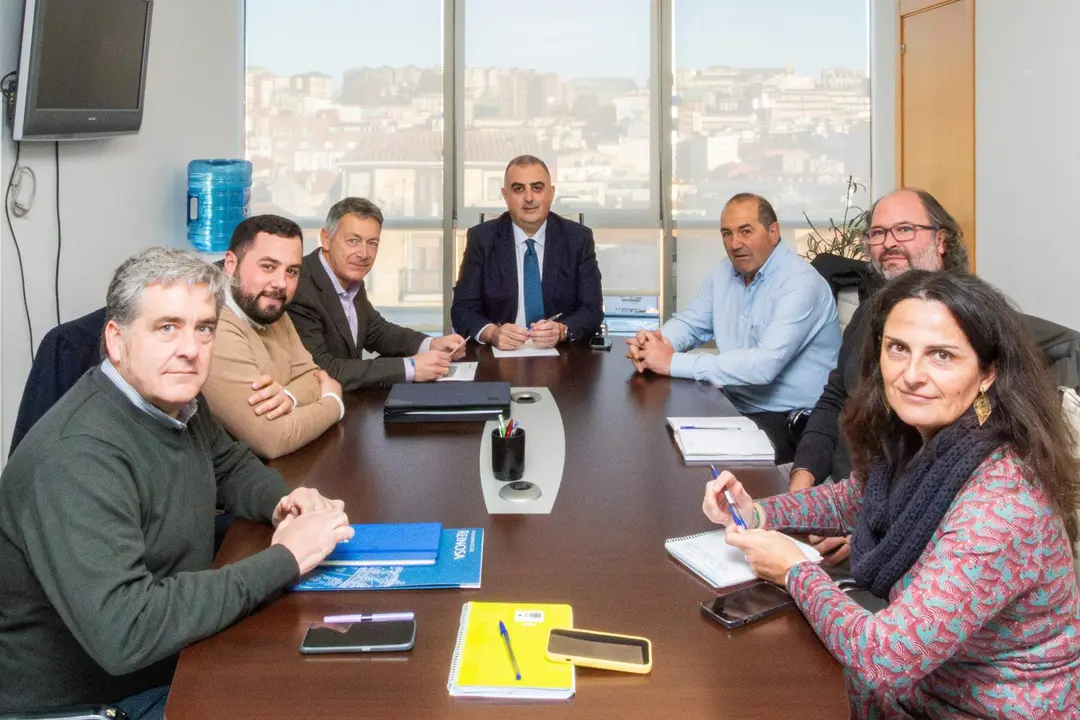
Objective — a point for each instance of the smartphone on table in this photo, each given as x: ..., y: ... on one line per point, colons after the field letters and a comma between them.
x: 607, y: 651
x: 600, y: 342
x: 747, y: 605
x: 359, y: 637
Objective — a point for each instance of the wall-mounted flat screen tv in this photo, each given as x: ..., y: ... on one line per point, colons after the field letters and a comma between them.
x: 82, y: 68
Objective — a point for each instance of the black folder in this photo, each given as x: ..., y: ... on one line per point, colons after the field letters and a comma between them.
x: 447, y: 402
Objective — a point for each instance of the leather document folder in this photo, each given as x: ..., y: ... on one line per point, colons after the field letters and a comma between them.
x: 447, y: 402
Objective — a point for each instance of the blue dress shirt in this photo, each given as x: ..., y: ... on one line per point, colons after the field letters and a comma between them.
x: 777, y: 337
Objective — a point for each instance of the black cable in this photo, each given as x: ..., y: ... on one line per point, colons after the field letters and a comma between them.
x: 18, y: 252
x: 9, y: 95
x: 59, y: 236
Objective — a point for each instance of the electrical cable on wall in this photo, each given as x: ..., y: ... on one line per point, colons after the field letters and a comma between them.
x: 59, y: 235
x: 8, y: 91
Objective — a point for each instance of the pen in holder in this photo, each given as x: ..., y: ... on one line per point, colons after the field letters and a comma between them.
x: 508, y: 454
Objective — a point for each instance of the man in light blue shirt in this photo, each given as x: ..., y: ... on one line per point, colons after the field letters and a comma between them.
x: 773, y: 318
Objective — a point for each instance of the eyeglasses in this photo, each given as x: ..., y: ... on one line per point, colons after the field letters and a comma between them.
x: 901, y: 232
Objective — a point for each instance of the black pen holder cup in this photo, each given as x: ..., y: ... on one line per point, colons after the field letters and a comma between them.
x: 508, y: 455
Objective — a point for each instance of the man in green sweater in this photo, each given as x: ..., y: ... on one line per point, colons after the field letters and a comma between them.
x: 107, y: 509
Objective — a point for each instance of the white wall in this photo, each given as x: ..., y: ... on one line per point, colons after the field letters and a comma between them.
x: 120, y: 195
x: 884, y: 35
x: 1027, y: 153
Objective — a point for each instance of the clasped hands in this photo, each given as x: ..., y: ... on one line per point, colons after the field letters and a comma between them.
x: 508, y: 336
x: 309, y: 526
x: 650, y: 351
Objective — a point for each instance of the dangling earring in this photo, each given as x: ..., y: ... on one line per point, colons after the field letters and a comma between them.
x: 982, y: 408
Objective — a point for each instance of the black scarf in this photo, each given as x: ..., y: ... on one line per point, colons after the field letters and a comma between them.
x: 901, y: 510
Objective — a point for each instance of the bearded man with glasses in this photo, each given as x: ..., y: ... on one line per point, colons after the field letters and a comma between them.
x: 909, y: 229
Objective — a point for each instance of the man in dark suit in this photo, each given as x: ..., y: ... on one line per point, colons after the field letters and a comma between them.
x: 529, y: 274
x: 336, y: 321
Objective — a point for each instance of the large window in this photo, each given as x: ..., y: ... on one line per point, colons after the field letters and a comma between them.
x: 362, y: 98
x: 568, y: 83
x: 348, y: 100
x: 771, y: 97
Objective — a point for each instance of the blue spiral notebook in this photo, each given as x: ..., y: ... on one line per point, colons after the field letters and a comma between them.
x: 388, y: 544
x: 460, y: 561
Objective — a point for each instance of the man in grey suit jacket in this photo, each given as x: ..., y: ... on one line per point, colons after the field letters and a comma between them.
x: 336, y: 321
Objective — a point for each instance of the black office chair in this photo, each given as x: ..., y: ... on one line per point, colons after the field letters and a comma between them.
x: 65, y: 354
x: 1060, y: 347
x: 842, y: 272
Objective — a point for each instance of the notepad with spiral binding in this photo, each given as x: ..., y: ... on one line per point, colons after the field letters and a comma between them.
x: 716, y: 562
x: 481, y: 665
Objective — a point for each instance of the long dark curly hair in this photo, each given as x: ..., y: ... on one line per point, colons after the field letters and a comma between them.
x: 1023, y: 395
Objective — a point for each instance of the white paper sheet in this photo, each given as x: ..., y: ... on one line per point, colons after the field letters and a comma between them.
x: 463, y: 371
x: 526, y: 350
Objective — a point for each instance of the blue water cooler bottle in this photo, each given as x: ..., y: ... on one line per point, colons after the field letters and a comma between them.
x: 219, y: 196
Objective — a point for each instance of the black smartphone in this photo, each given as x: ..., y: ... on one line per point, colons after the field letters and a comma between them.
x: 390, y: 636
x: 600, y: 342
x: 746, y: 605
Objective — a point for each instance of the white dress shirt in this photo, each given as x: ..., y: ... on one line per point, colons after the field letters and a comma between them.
x: 521, y: 247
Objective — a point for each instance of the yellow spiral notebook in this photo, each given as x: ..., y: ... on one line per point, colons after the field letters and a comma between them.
x: 482, y: 665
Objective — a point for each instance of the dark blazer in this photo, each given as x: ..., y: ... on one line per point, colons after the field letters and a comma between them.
x: 487, y: 286
x: 66, y: 352
x: 320, y: 320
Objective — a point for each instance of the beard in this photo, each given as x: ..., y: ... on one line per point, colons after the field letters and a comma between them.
x: 250, y: 305
x: 928, y: 259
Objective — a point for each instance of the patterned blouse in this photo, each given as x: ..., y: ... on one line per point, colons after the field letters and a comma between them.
x: 986, y: 624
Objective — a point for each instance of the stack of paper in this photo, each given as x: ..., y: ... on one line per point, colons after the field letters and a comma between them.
x: 720, y: 439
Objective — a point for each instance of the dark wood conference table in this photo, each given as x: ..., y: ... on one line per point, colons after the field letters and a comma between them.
x: 625, y: 489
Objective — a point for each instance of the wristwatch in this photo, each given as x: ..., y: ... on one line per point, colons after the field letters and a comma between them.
x: 568, y: 336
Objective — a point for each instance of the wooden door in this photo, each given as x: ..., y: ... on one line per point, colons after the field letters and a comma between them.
x: 936, y: 105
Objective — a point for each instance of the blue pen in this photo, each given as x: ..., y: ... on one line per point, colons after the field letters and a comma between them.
x: 731, y: 501
x: 509, y: 650
x: 706, y: 427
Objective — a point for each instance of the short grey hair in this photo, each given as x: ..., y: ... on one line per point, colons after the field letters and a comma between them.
x: 158, y: 266
x: 358, y: 206
x: 524, y: 161
x: 955, y: 256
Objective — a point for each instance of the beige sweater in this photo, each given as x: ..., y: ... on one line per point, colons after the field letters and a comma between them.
x: 241, y: 355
